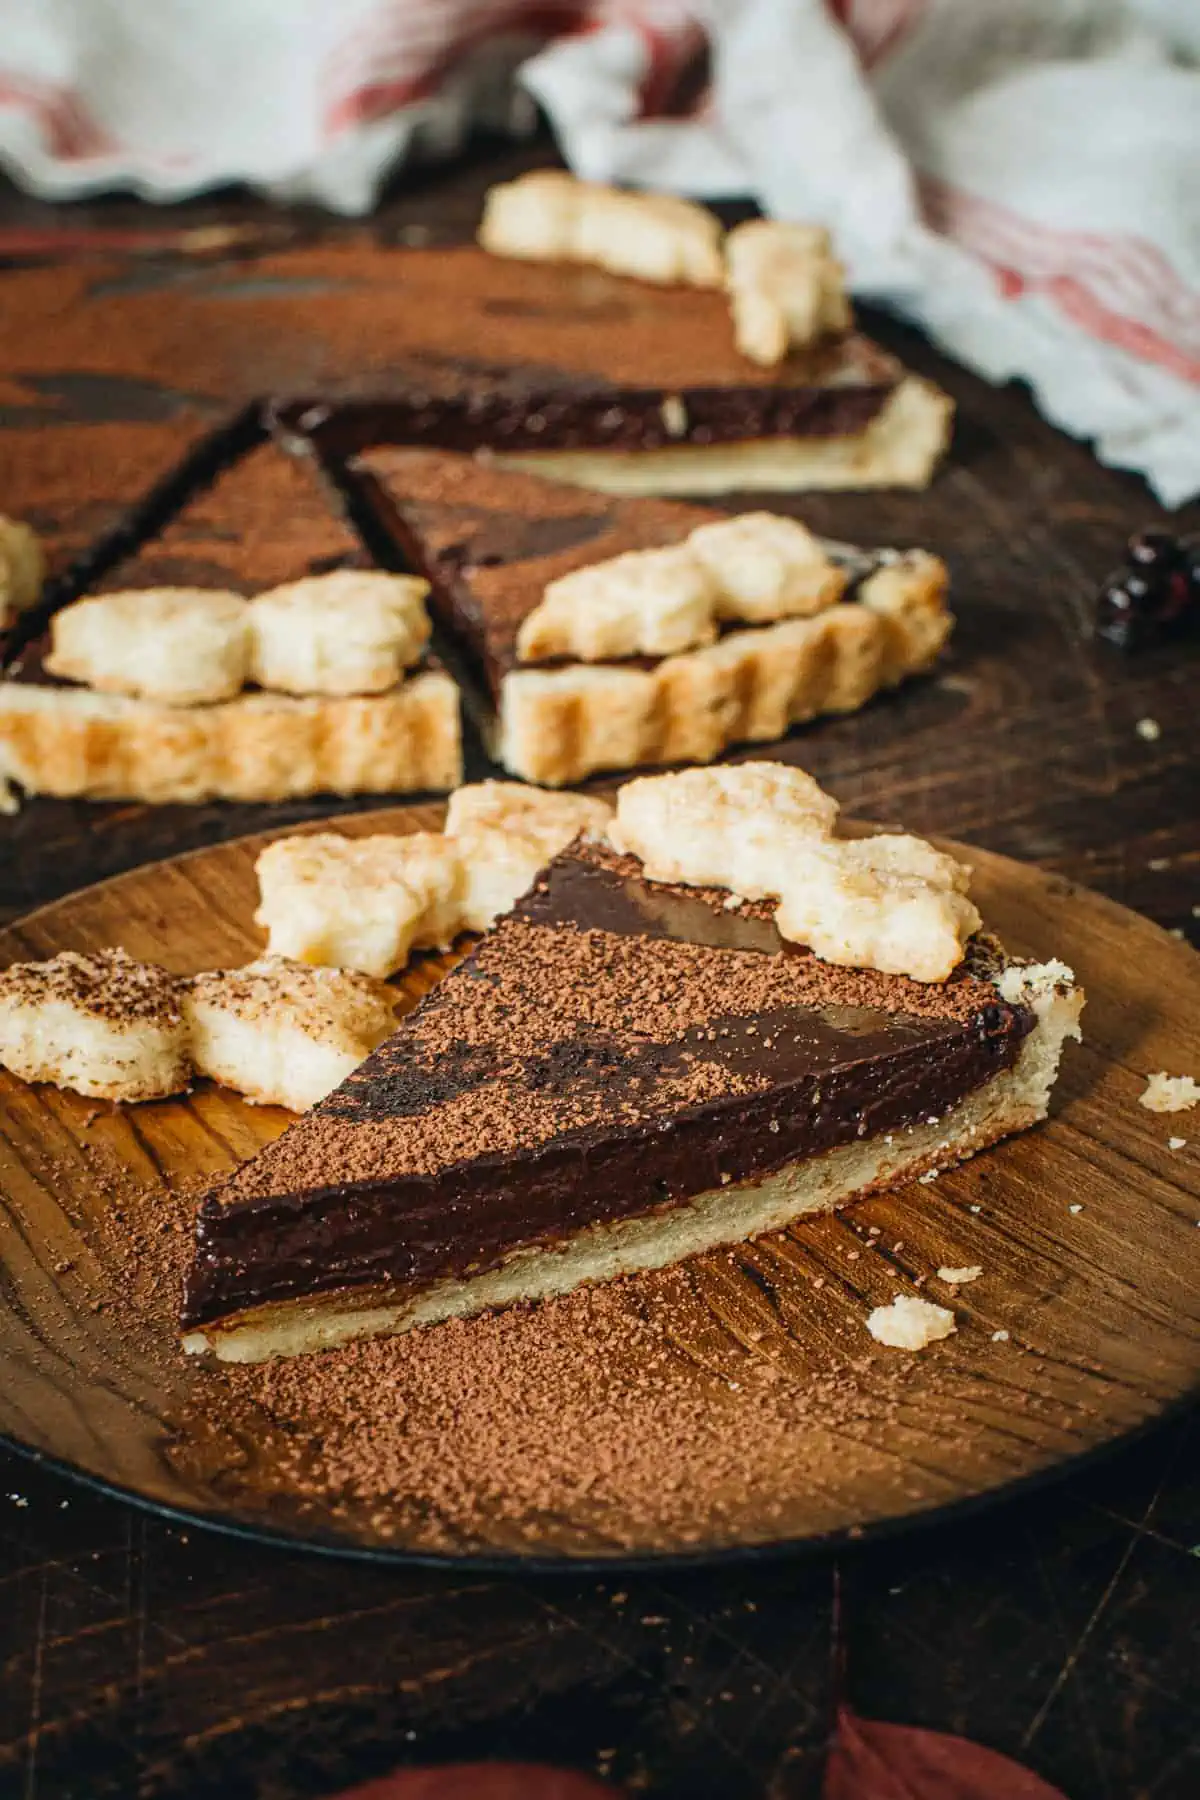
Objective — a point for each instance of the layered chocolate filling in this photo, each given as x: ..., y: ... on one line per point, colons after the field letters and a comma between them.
x: 611, y: 1048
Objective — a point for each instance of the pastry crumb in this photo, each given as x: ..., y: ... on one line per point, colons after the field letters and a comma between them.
x: 958, y: 1277
x: 910, y: 1324
x: 1174, y: 1143
x: 1169, y: 1093
x: 1149, y: 730
x: 1000, y: 1337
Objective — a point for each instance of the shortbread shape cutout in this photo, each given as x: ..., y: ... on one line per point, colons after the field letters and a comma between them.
x: 368, y: 903
x: 785, y: 288
x: 362, y: 903
x: 642, y: 603
x: 755, y: 568
x: 283, y: 1034
x: 728, y: 826
x: 766, y: 567
x: 549, y: 216
x: 102, y: 1025
x: 179, y: 646
x: 352, y: 631
x: 891, y: 903
x: 22, y: 569
x: 504, y: 833
x: 763, y: 830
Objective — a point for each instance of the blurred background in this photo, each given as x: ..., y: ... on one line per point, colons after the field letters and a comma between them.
x: 1016, y: 176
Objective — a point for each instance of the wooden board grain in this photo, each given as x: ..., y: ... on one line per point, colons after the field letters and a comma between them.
x: 1086, y: 1230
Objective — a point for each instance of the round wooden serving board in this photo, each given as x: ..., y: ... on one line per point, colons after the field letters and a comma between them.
x: 1084, y: 1325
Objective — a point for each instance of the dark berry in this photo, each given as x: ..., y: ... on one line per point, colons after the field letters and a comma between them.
x: 1121, y: 616
x: 1179, y: 597
x: 1154, y: 550
x: 1155, y: 596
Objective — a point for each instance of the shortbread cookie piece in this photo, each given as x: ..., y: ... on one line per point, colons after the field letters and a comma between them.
x: 180, y: 646
x: 785, y: 288
x: 367, y: 903
x: 283, y: 1034
x: 72, y: 742
x: 754, y: 569
x: 360, y: 903
x: 549, y: 216
x: 103, y: 1025
x: 354, y: 631
x: 22, y: 569
x: 644, y: 603
x: 504, y: 833
x: 891, y: 903
x: 733, y: 827
x: 767, y: 567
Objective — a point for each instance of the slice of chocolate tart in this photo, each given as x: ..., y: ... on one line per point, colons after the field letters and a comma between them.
x: 624, y: 1072
x: 140, y: 677
x: 718, y: 630
x: 611, y: 349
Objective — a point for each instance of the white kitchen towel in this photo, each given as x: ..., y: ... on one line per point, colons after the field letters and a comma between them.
x: 1022, y: 177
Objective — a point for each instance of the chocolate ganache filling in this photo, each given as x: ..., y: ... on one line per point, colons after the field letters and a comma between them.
x: 613, y: 1047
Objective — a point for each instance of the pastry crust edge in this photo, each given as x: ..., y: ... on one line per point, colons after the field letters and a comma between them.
x: 72, y: 743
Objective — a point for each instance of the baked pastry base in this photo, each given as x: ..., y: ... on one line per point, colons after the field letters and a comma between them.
x: 74, y: 743
x: 901, y: 447
x: 1014, y: 1100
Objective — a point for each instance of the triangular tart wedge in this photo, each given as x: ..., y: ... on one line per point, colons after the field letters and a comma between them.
x: 492, y: 542
x: 622, y: 1073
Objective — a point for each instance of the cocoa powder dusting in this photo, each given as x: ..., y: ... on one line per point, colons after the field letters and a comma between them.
x: 664, y: 1411
x: 594, y: 1412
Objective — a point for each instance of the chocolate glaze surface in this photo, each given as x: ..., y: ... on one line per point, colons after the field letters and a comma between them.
x: 612, y: 1047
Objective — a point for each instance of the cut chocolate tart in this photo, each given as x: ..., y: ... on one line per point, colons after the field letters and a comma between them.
x: 626, y: 1071
x: 630, y: 385
x: 178, y: 689
x: 495, y: 545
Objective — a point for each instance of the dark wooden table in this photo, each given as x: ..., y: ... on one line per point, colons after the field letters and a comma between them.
x: 141, y: 1659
